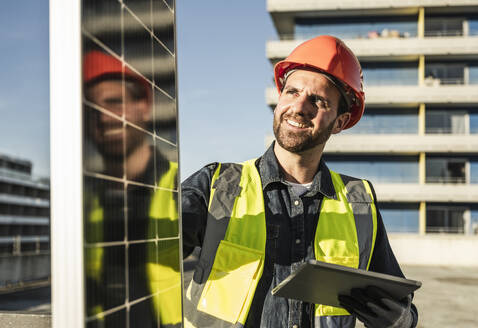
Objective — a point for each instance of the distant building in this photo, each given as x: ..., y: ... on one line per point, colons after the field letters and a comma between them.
x: 24, y: 225
x: 418, y: 139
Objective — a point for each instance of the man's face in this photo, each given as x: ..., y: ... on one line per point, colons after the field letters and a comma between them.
x: 306, y: 113
x: 107, y: 130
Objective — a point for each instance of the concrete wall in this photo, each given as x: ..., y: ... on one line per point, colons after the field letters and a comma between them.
x: 22, y: 268
x: 382, y: 47
x: 22, y: 320
x: 441, y: 250
x: 402, y: 143
x: 298, y: 5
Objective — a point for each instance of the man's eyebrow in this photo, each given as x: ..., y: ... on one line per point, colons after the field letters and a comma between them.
x: 312, y: 97
x: 316, y: 97
x: 291, y: 87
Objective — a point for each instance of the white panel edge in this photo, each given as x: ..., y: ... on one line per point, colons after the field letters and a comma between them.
x: 66, y: 164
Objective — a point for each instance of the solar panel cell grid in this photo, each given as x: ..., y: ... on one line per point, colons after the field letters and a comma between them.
x: 130, y: 163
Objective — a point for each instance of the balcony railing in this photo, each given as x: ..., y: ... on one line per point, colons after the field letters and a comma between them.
x: 444, y: 130
x: 432, y: 179
x: 23, y: 178
x: 15, y: 245
x: 437, y: 81
x: 438, y: 33
x: 376, y: 35
x: 445, y: 230
x: 23, y: 200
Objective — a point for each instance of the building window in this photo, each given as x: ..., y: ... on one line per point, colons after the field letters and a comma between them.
x: 446, y: 170
x: 388, y: 74
x: 400, y: 217
x: 444, y: 73
x: 443, y: 26
x: 474, y: 171
x: 357, y: 28
x: 387, y: 121
x: 445, y: 219
x: 473, y: 74
x: 446, y: 122
x: 473, y: 27
x: 378, y: 169
x: 473, y: 122
x: 474, y: 221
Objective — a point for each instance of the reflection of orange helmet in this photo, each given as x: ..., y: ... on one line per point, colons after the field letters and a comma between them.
x: 331, y: 56
x: 97, y: 64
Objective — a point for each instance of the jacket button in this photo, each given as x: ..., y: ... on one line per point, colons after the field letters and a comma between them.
x: 297, y: 241
x: 296, y: 203
x: 295, y: 326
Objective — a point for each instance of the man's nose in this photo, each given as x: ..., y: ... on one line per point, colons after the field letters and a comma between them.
x: 300, y: 104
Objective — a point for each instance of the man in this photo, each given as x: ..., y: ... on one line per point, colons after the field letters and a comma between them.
x: 114, y: 93
x: 256, y: 222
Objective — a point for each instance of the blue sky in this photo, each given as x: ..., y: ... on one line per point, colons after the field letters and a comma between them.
x: 24, y: 89
x: 222, y: 74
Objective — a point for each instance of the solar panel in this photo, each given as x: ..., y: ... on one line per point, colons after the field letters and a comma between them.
x: 132, y: 268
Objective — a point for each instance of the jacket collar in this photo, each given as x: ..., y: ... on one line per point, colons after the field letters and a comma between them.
x: 270, y: 172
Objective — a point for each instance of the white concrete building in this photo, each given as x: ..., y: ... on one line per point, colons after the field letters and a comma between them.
x: 418, y: 140
x: 24, y: 226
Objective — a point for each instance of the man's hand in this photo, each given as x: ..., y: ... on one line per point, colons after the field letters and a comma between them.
x: 377, y: 309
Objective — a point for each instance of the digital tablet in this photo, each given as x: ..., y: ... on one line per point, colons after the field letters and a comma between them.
x: 321, y: 283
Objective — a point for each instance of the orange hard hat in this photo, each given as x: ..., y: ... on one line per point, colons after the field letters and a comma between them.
x: 97, y: 64
x: 329, y: 55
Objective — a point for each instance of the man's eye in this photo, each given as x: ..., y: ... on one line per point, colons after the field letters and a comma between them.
x: 113, y: 101
x: 319, y: 101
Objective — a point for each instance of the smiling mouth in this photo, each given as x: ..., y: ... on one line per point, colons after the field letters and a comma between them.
x: 112, y: 132
x: 296, y: 124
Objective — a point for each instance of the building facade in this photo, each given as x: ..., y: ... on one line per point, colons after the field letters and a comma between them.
x: 24, y: 226
x: 418, y: 139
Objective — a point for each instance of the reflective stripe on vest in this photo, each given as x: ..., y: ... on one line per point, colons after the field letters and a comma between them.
x: 232, y: 257
x: 162, y: 268
x: 345, y: 235
x: 94, y: 256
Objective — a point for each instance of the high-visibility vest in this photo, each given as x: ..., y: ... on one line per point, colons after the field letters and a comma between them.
x: 232, y: 256
x: 162, y: 260
x: 164, y: 280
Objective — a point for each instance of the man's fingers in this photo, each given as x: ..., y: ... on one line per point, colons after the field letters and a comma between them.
x: 377, y: 293
x: 355, y: 304
x: 377, y: 309
x: 392, y: 304
x: 353, y: 312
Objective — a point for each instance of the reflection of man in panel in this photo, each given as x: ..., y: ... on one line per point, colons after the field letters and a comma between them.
x: 104, y: 87
x: 256, y: 222
x: 151, y: 212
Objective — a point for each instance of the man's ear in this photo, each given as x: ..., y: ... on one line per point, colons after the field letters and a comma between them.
x: 340, y: 122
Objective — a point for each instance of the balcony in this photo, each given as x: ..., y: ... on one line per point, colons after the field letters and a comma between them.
x: 284, y: 12
x: 401, y: 144
x: 414, y: 192
x: 409, y: 95
x: 24, y: 220
x: 336, y: 5
x: 25, y: 181
x: 400, y: 48
x: 458, y: 94
x: 24, y: 201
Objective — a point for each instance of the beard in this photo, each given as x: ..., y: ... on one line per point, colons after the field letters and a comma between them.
x: 300, y: 141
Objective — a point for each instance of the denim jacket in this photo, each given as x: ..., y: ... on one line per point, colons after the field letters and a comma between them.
x: 291, y: 223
